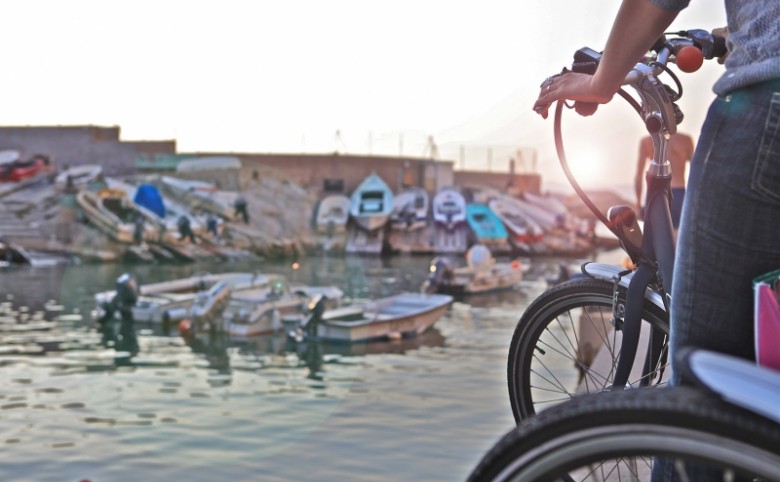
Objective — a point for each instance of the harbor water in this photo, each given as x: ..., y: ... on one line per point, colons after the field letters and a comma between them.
x: 74, y: 405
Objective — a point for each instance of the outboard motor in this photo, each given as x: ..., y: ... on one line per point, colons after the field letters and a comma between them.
x: 441, y: 273
x: 127, y: 290
x: 126, y: 296
x: 314, y: 315
x: 123, y: 301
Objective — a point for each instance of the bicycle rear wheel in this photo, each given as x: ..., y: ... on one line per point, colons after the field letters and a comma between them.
x: 565, y: 345
x: 618, y: 435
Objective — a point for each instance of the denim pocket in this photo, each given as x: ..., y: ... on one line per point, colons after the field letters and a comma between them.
x: 766, y: 175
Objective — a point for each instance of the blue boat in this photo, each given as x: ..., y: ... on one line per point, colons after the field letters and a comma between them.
x: 487, y: 227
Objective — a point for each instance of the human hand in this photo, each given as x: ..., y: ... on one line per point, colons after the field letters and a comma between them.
x: 721, y: 32
x: 569, y: 86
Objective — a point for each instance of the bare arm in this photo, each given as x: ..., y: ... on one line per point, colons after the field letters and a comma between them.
x: 640, y: 170
x: 637, y: 26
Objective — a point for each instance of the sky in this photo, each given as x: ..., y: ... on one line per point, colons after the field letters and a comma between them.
x: 358, y: 76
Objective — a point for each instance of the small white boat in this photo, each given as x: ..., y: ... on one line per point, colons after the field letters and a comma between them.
x: 261, y: 309
x: 542, y: 216
x: 399, y: 316
x: 371, y: 203
x: 449, y: 208
x: 14, y: 254
x: 563, y: 217
x: 410, y: 209
x: 171, y: 300
x: 332, y: 214
x: 199, y: 195
x: 165, y: 211
x: 115, y: 215
x: 482, y: 274
x: 78, y: 176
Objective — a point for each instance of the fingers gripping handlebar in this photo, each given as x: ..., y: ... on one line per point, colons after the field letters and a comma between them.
x: 684, y: 49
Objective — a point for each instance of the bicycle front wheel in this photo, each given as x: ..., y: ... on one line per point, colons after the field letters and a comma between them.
x: 565, y: 344
x: 619, y: 435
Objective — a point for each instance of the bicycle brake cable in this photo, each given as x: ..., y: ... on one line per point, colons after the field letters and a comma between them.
x: 570, y: 176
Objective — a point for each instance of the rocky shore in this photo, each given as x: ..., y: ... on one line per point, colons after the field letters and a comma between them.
x: 39, y: 217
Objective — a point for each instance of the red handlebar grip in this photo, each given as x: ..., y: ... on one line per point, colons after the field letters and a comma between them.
x: 689, y: 59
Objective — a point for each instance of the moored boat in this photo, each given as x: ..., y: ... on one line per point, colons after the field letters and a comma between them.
x: 171, y: 300
x: 482, y: 274
x: 371, y: 203
x: 393, y: 317
x: 261, y: 309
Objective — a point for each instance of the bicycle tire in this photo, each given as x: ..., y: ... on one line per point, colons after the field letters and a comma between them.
x: 593, y: 435
x: 549, y: 359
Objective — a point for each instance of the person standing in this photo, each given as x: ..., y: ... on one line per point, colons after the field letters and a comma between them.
x: 241, y: 209
x: 679, y: 155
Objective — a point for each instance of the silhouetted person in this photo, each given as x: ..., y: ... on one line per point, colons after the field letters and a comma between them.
x: 185, y: 229
x: 241, y: 209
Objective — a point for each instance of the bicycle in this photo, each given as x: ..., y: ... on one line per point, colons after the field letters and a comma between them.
x: 549, y: 359
x: 728, y: 425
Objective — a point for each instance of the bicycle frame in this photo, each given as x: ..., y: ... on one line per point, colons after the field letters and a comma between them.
x: 654, y: 257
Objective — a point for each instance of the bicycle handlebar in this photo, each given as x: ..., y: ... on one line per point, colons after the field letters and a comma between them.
x: 678, y: 50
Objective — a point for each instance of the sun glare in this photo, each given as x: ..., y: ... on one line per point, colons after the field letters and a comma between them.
x: 588, y: 166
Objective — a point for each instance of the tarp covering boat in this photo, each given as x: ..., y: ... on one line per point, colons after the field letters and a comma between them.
x: 149, y: 197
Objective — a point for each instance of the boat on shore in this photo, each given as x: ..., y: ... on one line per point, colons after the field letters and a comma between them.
x: 449, y: 208
x: 410, y: 209
x: 399, y: 316
x: 11, y: 254
x: 165, y: 211
x: 332, y: 214
x: 486, y: 227
x: 199, y: 196
x: 524, y: 232
x: 78, y: 176
x: 17, y: 170
x: 371, y: 203
x: 116, y: 216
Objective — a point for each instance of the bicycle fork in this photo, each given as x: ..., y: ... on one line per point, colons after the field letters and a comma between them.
x: 659, y: 244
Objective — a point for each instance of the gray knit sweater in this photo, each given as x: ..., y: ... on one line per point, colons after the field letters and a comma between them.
x: 753, y: 41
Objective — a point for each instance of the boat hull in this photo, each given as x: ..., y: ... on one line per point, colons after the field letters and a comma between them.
x: 401, y: 316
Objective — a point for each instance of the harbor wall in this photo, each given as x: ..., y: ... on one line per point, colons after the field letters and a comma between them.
x: 69, y: 146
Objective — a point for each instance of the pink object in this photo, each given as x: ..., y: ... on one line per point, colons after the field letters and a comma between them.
x: 767, y: 327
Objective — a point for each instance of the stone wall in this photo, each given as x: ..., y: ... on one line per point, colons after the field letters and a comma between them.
x: 70, y: 146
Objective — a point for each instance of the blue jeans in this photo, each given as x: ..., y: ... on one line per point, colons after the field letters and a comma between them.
x: 730, y: 227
